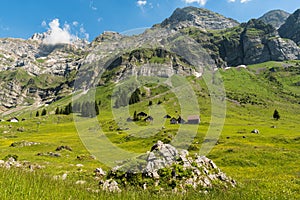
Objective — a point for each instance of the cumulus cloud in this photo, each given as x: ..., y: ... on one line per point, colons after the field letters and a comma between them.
x: 65, y: 34
x: 57, y: 34
x: 200, y: 2
x: 141, y: 3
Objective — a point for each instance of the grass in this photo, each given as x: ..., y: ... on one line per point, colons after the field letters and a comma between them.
x: 265, y: 165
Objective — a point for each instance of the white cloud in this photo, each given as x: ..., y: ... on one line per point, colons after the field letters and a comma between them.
x: 200, y: 2
x: 141, y: 3
x: 58, y: 35
x: 63, y: 35
x: 92, y: 6
x: 84, y: 33
x: 75, y: 23
x: 44, y: 23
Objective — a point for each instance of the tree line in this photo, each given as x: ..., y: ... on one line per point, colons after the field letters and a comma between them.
x: 86, y: 109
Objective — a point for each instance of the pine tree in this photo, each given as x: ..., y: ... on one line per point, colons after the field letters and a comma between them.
x: 57, y: 111
x: 276, y: 115
x: 150, y: 103
x: 96, y: 108
x: 37, y: 114
x: 44, y: 112
x: 135, y: 117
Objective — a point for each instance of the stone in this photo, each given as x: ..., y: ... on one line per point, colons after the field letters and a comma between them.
x: 64, y: 177
x: 79, y: 165
x: 168, y: 169
x: 99, y: 172
x: 111, y: 186
x: 80, y: 182
x: 63, y: 147
x: 256, y: 131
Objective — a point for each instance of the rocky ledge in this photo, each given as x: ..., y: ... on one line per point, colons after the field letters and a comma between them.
x: 167, y: 169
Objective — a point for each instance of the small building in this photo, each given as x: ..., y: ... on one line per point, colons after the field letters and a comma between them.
x: 173, y: 121
x: 180, y: 120
x: 14, y: 120
x: 148, y: 119
x: 193, y: 119
x: 142, y: 114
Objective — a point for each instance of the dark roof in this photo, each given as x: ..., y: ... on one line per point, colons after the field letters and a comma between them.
x: 167, y: 116
x: 180, y: 119
x: 149, y: 118
x: 142, y: 114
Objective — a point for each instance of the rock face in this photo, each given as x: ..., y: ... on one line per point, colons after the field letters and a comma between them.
x: 147, y: 62
x: 167, y: 168
x: 198, y: 17
x: 250, y: 43
x: 275, y: 18
x: 34, y: 72
x: 291, y: 28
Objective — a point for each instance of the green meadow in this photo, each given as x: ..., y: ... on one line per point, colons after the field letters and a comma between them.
x: 265, y: 165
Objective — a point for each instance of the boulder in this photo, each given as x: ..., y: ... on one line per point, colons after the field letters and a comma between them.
x: 256, y: 131
x: 167, y: 168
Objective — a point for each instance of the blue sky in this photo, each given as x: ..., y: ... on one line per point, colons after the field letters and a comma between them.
x: 89, y: 18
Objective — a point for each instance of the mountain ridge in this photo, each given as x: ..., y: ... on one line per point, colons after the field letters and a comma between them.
x: 49, y: 71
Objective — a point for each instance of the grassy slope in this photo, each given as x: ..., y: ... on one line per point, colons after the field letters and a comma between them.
x: 264, y: 165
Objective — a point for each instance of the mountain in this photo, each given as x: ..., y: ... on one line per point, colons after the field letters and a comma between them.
x: 198, y: 17
x: 250, y: 43
x: 35, y: 72
x: 275, y: 18
x: 291, y: 28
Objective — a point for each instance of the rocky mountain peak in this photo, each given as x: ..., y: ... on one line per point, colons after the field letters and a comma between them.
x: 291, y: 28
x: 275, y: 18
x: 259, y: 25
x: 199, y: 17
x: 107, y: 36
x: 43, y: 38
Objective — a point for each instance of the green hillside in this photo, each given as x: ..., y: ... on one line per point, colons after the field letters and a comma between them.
x: 265, y: 165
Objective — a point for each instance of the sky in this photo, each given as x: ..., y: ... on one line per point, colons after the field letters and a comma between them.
x: 89, y: 18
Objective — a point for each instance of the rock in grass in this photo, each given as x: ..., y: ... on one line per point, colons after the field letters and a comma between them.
x: 80, y: 182
x: 256, y: 131
x: 111, y: 186
x: 99, y: 172
x: 24, y: 144
x: 60, y: 148
x: 167, y: 168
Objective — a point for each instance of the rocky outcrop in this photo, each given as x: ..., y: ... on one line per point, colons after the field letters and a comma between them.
x: 168, y: 168
x: 31, y: 71
x: 250, y: 43
x: 275, y: 18
x: 13, y: 163
x: 147, y: 62
x: 24, y: 144
x: 291, y: 28
x: 198, y: 17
